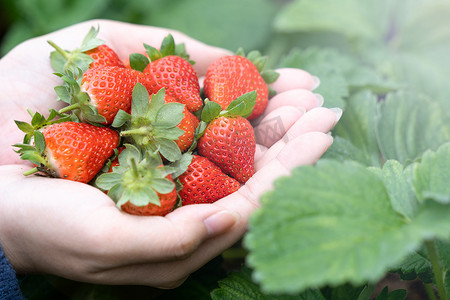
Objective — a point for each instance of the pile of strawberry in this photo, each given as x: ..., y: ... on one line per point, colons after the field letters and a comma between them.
x: 143, y: 131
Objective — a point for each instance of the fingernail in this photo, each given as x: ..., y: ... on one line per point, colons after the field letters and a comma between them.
x: 338, y: 112
x: 220, y: 222
x: 316, y: 82
x: 320, y: 99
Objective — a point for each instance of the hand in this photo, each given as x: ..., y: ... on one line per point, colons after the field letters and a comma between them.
x: 75, y: 231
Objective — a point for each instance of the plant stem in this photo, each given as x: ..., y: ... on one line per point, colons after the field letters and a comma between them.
x: 137, y: 131
x: 60, y: 50
x: 68, y: 108
x: 31, y: 171
x: 434, y: 259
x: 430, y: 291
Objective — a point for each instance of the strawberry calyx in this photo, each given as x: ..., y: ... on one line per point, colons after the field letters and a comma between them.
x: 168, y: 47
x: 269, y: 75
x: 152, y: 123
x: 241, y: 106
x: 79, y: 101
x: 138, y: 178
x: 63, y: 60
x: 33, y: 146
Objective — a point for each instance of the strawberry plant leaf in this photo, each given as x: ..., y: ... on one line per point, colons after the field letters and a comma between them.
x: 394, y: 295
x: 152, y: 52
x: 401, y: 193
x: 120, y: 119
x: 239, y: 285
x: 162, y: 185
x: 167, y: 46
x: 319, y: 224
x: 358, y: 127
x: 180, y: 166
x: 169, y: 149
x: 24, y: 126
x: 39, y: 141
x: 138, y: 61
x: 410, y: 124
x: 432, y: 176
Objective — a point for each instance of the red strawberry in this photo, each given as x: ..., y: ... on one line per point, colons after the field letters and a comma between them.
x: 169, y: 68
x: 139, y: 183
x: 229, y: 77
x: 104, y: 56
x: 103, y: 92
x: 178, y: 77
x: 69, y: 150
x: 204, y: 182
x: 229, y: 142
x: 188, y: 125
x: 92, y: 53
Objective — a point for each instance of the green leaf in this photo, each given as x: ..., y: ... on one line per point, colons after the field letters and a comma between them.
x: 107, y: 180
x: 24, y: 126
x: 167, y: 46
x: 394, y: 295
x: 358, y: 126
x: 333, y: 223
x: 39, y: 141
x: 210, y: 111
x: 91, y: 41
x: 152, y: 52
x: 140, y: 100
x: 180, y: 166
x: 432, y: 175
x: 410, y: 124
x: 241, y: 106
x: 169, y: 149
x: 239, y: 285
x: 138, y: 61
x: 162, y: 185
x: 120, y: 119
x: 170, y: 115
x: 401, y: 193
x: 156, y: 102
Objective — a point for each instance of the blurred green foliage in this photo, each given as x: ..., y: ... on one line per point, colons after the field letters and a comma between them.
x: 228, y: 24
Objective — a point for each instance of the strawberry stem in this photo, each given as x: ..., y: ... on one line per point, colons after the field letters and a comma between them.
x: 137, y: 131
x: 64, y: 53
x: 31, y: 171
x: 134, y: 168
x: 68, y: 108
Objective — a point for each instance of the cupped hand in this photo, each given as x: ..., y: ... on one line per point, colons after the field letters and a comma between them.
x: 75, y: 231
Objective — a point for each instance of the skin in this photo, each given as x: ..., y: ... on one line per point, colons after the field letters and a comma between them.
x: 73, y: 230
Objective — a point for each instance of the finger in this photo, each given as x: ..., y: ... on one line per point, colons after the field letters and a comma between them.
x: 292, y: 78
x: 275, y: 124
x: 297, y: 97
x: 316, y: 120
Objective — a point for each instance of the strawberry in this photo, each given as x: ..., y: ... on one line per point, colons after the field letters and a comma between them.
x: 152, y: 124
x: 170, y: 68
x: 188, y: 124
x: 204, y: 182
x: 69, y: 150
x: 102, y: 93
x: 232, y: 76
x: 104, y: 56
x: 92, y: 53
x: 228, y: 139
x: 140, y: 184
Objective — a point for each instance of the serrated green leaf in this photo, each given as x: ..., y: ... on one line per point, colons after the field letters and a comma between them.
x: 91, y: 41
x: 431, y: 177
x: 170, y: 115
x: 63, y: 93
x: 401, y: 193
x: 138, y: 61
x: 330, y: 224
x: 270, y: 76
x: 394, y: 295
x: 156, y: 102
x: 210, y: 111
x: 410, y: 124
x: 57, y: 61
x: 239, y: 285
